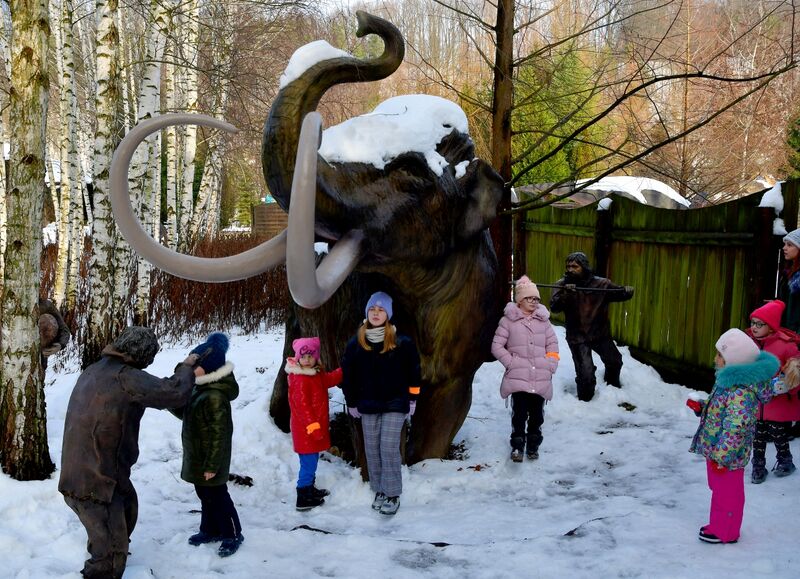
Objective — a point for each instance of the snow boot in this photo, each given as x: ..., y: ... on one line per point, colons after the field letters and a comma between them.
x: 202, y: 538
x: 321, y: 493
x: 532, y: 454
x: 784, y: 467
x: 306, y: 500
x: 230, y: 545
x: 759, y: 474
x: 390, y: 506
x: 378, y: 501
x: 516, y: 455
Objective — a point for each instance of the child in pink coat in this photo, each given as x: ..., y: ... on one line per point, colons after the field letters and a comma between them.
x: 526, y: 344
x: 308, y: 402
x: 774, y: 418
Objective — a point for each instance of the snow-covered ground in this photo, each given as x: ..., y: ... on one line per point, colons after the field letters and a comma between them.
x: 614, y: 494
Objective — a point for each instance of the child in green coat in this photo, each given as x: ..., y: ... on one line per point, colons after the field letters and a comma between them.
x: 206, y: 436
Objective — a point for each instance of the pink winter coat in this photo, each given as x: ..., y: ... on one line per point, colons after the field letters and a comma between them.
x: 528, y: 348
x: 785, y: 407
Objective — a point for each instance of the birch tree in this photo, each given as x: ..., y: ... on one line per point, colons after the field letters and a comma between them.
x: 5, y: 74
x: 105, y: 317
x: 145, y: 173
x: 23, y: 423
x: 70, y: 226
x: 187, y: 80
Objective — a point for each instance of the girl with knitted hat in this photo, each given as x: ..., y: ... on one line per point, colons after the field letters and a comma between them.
x: 308, y: 402
x: 776, y: 416
x: 206, y: 435
x: 381, y: 383
x: 526, y: 345
x: 789, y: 281
x: 727, y: 427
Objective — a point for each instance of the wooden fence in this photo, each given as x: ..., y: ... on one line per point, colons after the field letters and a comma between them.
x: 696, y: 272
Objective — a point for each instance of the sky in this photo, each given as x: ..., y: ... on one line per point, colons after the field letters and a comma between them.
x: 614, y: 494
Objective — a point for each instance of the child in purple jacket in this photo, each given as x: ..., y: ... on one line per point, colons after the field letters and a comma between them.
x: 526, y: 344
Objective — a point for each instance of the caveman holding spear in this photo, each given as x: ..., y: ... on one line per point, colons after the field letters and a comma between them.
x: 584, y: 299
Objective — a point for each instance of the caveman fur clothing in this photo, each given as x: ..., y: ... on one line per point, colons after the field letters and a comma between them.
x: 728, y: 420
x: 208, y: 428
x: 586, y: 312
x: 527, y: 347
x: 308, y: 401
x: 101, y: 429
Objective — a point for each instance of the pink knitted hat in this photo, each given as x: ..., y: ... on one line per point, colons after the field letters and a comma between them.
x: 525, y: 288
x: 303, y: 346
x: 737, y: 347
x: 770, y: 313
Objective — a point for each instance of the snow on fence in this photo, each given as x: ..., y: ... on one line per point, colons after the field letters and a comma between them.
x: 696, y: 272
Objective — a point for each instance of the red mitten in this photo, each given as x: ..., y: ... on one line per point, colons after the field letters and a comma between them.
x: 695, y: 405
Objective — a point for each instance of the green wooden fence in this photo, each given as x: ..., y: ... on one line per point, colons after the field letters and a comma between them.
x: 696, y: 272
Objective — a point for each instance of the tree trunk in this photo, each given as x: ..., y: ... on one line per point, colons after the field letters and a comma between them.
x: 502, y: 106
x: 23, y: 421
x: 70, y: 237
x: 5, y: 71
x: 103, y: 312
x: 171, y: 144
x: 188, y: 42
x: 145, y: 171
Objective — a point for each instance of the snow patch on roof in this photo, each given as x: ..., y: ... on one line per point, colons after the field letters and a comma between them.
x: 634, y: 186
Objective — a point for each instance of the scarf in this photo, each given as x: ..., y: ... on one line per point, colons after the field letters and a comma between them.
x: 375, y: 335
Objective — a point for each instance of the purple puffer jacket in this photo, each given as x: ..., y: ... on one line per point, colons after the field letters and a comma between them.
x: 528, y: 348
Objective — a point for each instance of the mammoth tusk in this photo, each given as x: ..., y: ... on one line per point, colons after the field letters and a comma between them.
x: 220, y: 269
x: 312, y: 287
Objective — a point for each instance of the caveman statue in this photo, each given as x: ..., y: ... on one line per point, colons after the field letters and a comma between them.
x: 584, y: 299
x: 101, y: 442
x: 415, y: 223
x: 53, y: 332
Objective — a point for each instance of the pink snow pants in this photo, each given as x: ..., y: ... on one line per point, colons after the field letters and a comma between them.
x: 727, y: 502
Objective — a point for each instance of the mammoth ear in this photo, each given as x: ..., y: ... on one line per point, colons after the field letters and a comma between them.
x: 484, y: 188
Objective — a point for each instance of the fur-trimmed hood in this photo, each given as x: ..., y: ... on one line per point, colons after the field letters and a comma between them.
x: 292, y: 367
x: 755, y: 373
x: 513, y: 313
x: 221, y: 379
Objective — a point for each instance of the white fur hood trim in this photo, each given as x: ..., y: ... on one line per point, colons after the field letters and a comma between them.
x: 215, y: 375
x: 292, y: 367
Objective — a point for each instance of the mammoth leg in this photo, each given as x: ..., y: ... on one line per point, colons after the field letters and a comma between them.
x: 240, y: 266
x: 438, y: 418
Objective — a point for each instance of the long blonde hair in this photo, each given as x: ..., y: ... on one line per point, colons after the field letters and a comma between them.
x: 389, y: 336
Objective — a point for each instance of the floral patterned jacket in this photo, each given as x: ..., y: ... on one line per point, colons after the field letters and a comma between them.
x: 728, y: 420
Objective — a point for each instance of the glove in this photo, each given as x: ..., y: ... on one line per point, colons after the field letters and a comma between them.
x: 50, y: 350
x: 191, y: 360
x: 412, y: 408
x: 354, y: 412
x: 718, y: 468
x: 695, y: 405
x: 312, y: 427
x: 570, y: 287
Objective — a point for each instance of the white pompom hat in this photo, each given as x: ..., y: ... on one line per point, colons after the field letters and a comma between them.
x: 736, y: 347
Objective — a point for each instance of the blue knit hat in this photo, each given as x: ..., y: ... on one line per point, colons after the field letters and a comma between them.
x: 215, y: 359
x: 382, y: 300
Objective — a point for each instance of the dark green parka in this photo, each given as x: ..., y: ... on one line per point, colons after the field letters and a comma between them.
x: 208, y: 427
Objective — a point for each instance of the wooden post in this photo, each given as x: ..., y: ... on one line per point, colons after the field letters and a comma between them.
x: 602, y: 241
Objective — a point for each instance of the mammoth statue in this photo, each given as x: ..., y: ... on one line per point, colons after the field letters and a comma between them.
x: 415, y: 232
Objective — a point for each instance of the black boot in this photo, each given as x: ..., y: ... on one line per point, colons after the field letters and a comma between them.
x: 306, y: 499
x: 319, y: 493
